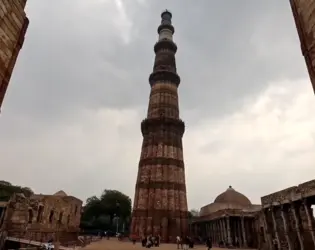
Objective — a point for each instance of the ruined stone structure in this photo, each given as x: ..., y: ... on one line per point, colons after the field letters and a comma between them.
x: 13, y: 26
x: 42, y: 217
x: 231, y: 219
x: 288, y: 218
x: 160, y: 203
x: 304, y: 16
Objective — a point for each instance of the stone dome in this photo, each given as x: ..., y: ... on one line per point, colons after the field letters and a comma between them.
x: 231, y: 196
x: 60, y: 193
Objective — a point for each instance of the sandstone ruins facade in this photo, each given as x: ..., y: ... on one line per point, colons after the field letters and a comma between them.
x: 13, y: 26
x: 160, y: 203
x: 41, y: 217
x: 230, y: 218
x: 284, y: 218
x: 288, y: 218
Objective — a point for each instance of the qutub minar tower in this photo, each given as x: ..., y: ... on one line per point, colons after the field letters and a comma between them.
x: 160, y: 203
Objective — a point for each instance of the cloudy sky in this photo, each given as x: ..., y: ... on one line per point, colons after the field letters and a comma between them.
x: 71, y: 116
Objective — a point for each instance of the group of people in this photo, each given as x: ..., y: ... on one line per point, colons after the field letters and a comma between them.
x: 184, y: 242
x: 188, y: 242
x: 151, y: 241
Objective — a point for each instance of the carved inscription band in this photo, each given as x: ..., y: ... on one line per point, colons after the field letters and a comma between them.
x: 160, y: 213
x: 155, y: 124
x: 162, y: 185
x: 161, y: 161
x: 164, y: 90
x: 167, y: 141
x: 164, y: 105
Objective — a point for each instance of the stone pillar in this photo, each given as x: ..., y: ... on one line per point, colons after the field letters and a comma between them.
x: 285, y: 226
x: 206, y: 228
x: 212, y: 232
x: 243, y: 232
x: 223, y: 222
x: 195, y: 229
x: 275, y: 225
x: 216, y: 231
x: 221, y: 229
x: 228, y: 226
x: 297, y: 226
x: 310, y: 220
x: 267, y: 229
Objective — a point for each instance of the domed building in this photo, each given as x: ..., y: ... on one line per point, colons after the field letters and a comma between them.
x: 230, y: 220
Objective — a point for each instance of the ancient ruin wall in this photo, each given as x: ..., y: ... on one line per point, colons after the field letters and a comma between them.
x: 288, y: 217
x: 304, y: 17
x: 43, y: 217
x: 13, y: 26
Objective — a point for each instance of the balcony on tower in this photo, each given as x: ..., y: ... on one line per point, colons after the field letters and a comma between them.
x: 166, y: 29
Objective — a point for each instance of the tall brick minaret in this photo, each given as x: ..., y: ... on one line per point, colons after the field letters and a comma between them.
x: 160, y: 203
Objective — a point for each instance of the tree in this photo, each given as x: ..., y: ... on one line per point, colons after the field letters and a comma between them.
x: 99, y: 213
x: 116, y: 203
x: 194, y: 212
x: 7, y: 190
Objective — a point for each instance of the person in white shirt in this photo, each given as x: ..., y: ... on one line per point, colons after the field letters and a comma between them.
x: 178, y: 241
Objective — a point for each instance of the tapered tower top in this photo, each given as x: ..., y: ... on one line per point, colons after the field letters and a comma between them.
x: 166, y: 15
x: 166, y: 22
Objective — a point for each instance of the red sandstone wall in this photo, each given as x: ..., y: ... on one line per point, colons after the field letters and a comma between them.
x: 13, y: 26
x: 30, y: 218
x: 304, y: 17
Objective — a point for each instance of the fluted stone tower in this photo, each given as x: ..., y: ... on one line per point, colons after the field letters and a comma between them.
x: 160, y: 203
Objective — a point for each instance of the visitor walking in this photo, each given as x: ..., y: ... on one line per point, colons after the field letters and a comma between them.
x: 178, y: 241
x: 186, y: 242
x: 275, y: 244
x: 209, y: 243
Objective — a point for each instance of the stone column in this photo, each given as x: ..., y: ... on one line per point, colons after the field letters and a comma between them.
x: 223, y: 221
x: 309, y: 219
x: 216, y: 231
x: 297, y: 226
x: 267, y: 229
x: 196, y: 229
x: 207, y: 229
x: 213, y: 231
x: 243, y: 231
x: 228, y: 231
x: 275, y: 225
x: 221, y: 229
x: 285, y: 226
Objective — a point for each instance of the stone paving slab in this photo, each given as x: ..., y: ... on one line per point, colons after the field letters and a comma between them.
x: 114, y: 244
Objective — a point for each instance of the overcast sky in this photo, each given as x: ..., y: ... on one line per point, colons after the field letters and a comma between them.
x: 71, y: 116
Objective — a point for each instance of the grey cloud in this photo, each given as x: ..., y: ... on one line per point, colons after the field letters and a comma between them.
x: 73, y: 58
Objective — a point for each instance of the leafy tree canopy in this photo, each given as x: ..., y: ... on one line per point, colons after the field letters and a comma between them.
x: 7, y: 190
x: 193, y: 213
x: 99, y: 212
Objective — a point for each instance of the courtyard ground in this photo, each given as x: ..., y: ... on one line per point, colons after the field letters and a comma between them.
x: 114, y: 244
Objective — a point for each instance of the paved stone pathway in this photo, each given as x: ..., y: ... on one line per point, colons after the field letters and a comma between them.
x: 114, y: 244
